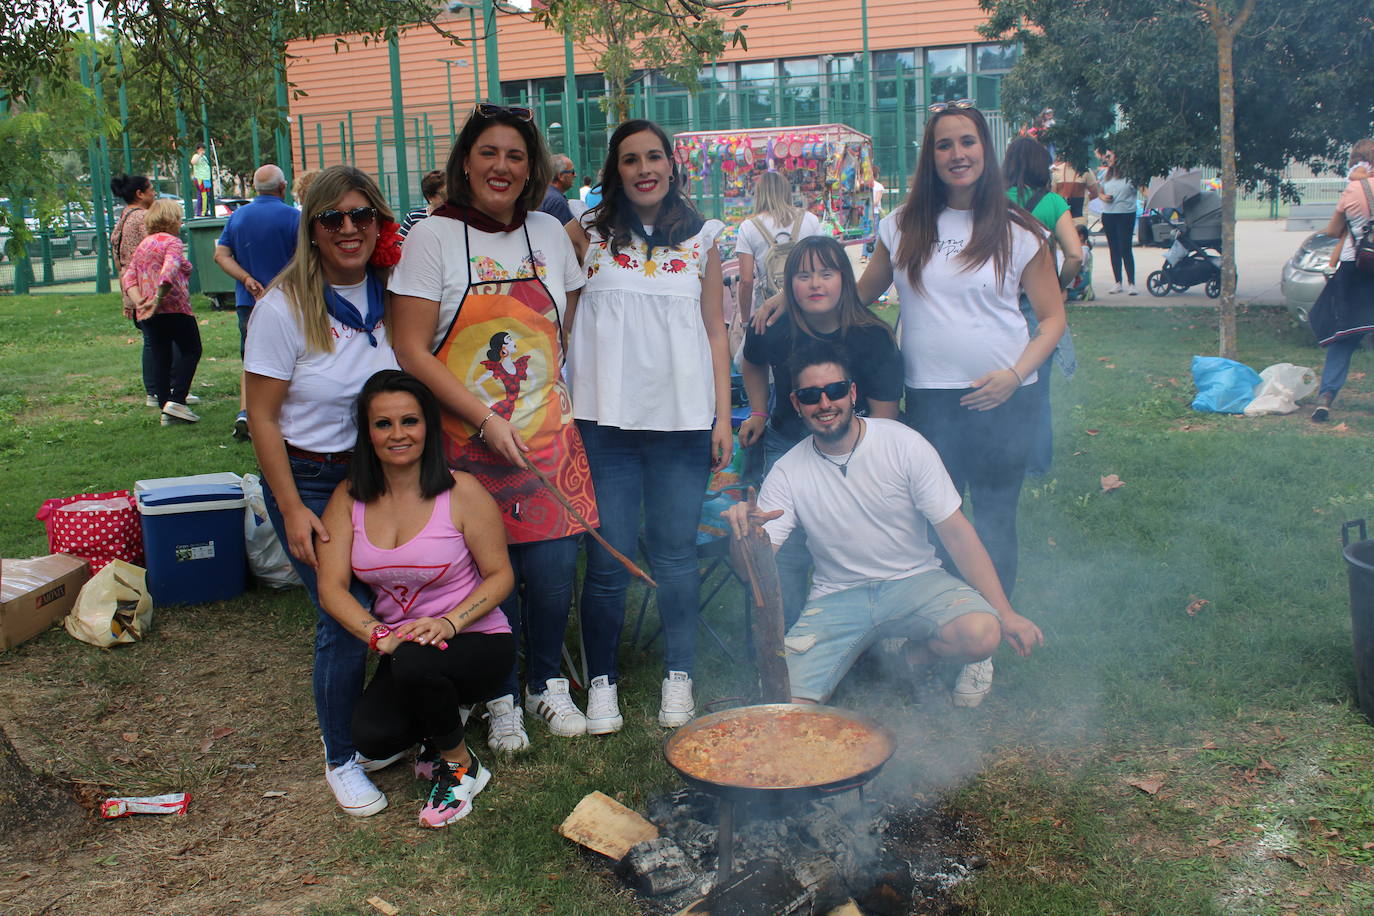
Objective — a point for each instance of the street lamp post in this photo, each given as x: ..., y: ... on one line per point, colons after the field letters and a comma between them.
x: 449, y: 63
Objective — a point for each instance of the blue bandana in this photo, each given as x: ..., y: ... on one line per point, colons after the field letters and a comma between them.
x: 346, y: 313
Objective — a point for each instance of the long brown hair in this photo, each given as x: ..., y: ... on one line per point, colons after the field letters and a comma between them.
x: 828, y: 253
x: 541, y: 171
x: 677, y: 219
x: 993, y: 213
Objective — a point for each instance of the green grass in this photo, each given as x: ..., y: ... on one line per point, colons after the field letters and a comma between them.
x: 1242, y: 712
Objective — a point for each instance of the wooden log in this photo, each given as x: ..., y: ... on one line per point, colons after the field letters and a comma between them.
x: 754, y: 554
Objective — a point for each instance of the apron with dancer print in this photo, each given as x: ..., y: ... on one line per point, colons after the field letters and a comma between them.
x: 495, y: 321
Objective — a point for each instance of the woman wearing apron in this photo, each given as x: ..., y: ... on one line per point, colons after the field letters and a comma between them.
x: 480, y: 303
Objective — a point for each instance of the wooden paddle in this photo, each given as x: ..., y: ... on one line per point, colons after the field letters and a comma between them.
x: 558, y: 495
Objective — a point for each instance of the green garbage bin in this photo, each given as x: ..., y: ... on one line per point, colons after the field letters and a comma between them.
x: 200, y: 235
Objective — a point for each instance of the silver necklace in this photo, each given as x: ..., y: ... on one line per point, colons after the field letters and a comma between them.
x: 843, y: 466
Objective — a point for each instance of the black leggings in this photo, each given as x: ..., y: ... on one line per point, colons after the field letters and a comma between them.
x: 171, y: 352
x: 1119, y: 227
x: 417, y: 690
x: 985, y: 453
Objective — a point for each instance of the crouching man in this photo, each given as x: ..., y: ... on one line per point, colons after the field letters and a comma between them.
x: 863, y: 489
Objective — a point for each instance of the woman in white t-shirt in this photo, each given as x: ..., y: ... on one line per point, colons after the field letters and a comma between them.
x: 650, y: 373
x: 481, y: 303
x: 315, y: 337
x: 961, y: 253
x: 776, y: 220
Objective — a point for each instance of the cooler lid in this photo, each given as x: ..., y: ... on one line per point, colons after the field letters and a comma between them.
x: 189, y: 495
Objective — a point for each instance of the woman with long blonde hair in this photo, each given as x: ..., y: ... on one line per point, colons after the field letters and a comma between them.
x: 776, y: 220
x: 316, y: 336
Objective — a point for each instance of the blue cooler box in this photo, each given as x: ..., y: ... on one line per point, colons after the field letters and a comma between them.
x: 193, y: 538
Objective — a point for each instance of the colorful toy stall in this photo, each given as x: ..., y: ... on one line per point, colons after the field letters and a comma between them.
x: 830, y: 168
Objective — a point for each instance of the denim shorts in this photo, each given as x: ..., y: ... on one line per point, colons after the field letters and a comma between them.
x: 835, y: 629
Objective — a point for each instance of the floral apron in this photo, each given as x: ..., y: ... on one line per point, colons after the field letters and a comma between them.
x: 496, y: 320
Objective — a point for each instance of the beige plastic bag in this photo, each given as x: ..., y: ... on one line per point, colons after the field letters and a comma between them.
x: 113, y: 607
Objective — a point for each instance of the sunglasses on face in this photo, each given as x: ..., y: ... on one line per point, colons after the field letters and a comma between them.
x: 362, y: 217
x: 834, y: 391
x: 488, y: 110
x: 957, y: 105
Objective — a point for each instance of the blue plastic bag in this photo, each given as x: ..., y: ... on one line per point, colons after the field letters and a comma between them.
x: 1223, y: 385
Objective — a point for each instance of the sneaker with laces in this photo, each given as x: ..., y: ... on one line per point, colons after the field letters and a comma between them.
x: 353, y: 790
x: 506, y: 726
x: 454, y: 788
x: 603, y: 707
x: 676, y: 706
x: 1132, y: 291
x: 192, y: 399
x: 370, y: 765
x: 241, y: 427
x: 972, y: 684
x: 1116, y: 288
x: 556, y: 707
x: 180, y: 411
x: 152, y: 401
x: 426, y: 761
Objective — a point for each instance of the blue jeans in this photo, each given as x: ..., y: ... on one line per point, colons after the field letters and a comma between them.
x: 340, y: 657
x: 1336, y: 366
x: 538, y: 609
x: 664, y: 474
x: 793, y: 558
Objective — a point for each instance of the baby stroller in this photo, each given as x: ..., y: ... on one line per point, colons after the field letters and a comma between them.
x: 1195, y: 257
x: 1081, y: 289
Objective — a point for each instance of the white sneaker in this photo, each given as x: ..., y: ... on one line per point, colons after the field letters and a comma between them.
x: 676, y: 706
x: 972, y: 684
x: 506, y: 726
x: 192, y: 399
x: 556, y: 707
x: 381, y: 763
x: 354, y: 791
x: 151, y: 401
x: 1116, y: 288
x: 1132, y: 291
x: 180, y: 411
x: 603, y: 707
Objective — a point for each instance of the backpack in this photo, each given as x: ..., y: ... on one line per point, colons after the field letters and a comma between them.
x: 774, y: 260
x: 1364, y: 247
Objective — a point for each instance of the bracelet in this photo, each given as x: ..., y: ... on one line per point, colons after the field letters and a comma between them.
x: 481, y: 426
x: 1019, y: 379
x: 758, y: 413
x: 380, y: 631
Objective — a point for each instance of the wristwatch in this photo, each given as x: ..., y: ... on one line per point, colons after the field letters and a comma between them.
x: 380, y: 631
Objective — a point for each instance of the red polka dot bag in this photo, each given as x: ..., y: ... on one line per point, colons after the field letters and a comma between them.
x: 98, y: 527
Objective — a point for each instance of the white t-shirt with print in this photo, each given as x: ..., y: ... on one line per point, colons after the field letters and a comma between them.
x: 317, y: 414
x: 962, y: 323
x: 435, y: 260
x: 869, y: 524
x: 640, y: 357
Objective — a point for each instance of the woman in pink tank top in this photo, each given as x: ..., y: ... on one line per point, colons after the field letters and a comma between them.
x: 432, y: 546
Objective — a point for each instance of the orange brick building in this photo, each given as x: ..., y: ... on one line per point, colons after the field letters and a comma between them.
x: 804, y: 65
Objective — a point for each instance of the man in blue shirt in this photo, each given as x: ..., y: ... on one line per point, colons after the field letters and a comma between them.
x: 556, y: 197
x: 257, y: 241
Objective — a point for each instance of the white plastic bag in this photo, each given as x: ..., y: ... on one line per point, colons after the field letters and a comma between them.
x: 1281, y: 387
x: 267, y: 557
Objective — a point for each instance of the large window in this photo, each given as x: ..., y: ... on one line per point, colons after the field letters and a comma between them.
x: 996, y: 58
x: 801, y: 91
x: 757, y: 85
x: 713, y: 100
x: 844, y: 94
x: 947, y: 74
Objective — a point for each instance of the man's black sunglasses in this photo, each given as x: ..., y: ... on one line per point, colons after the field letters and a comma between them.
x: 362, y: 217
x: 834, y: 391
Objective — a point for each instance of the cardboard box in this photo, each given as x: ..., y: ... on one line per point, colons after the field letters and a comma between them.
x: 36, y: 593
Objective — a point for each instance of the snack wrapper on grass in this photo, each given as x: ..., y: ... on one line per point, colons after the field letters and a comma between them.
x: 176, y: 803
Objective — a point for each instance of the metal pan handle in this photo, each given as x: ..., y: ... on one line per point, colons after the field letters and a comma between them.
x: 1346, y: 529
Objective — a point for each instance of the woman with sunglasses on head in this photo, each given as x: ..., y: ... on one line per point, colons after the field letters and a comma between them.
x: 431, y: 543
x: 481, y: 300
x: 316, y: 336
x: 821, y: 303
x: 961, y: 254
x: 650, y: 373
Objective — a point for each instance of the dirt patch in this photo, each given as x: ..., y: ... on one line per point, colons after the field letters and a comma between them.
x: 144, y: 720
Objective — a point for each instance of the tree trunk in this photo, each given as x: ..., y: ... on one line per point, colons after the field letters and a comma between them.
x: 1225, y: 32
x: 30, y: 805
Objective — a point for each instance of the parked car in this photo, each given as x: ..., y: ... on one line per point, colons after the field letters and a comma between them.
x: 1304, y: 275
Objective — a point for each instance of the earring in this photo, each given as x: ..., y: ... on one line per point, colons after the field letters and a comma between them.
x: 672, y: 177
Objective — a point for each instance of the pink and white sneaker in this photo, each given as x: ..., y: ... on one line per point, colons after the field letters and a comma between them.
x: 455, y: 786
